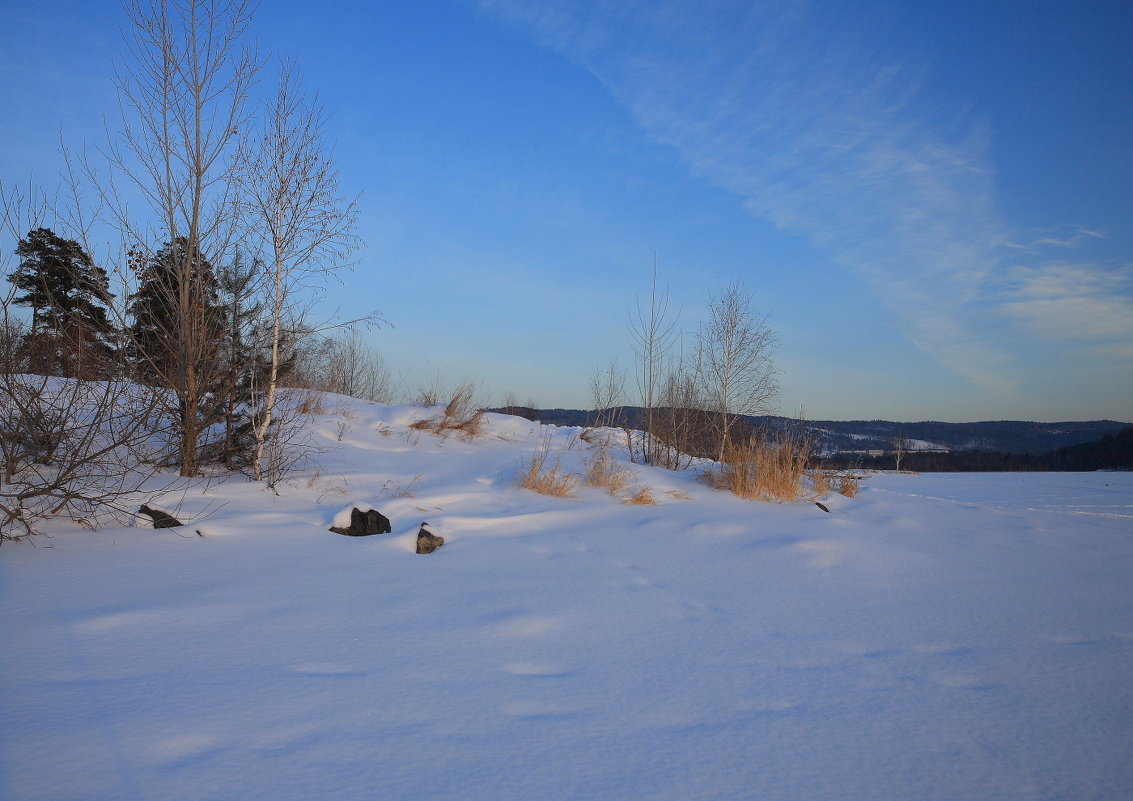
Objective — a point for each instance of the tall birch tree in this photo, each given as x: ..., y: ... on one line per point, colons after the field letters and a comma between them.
x: 291, y: 193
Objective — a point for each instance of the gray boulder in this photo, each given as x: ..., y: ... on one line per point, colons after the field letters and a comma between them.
x: 364, y: 524
x: 427, y: 542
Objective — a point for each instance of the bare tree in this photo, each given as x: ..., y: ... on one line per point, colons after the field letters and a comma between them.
x: 736, y: 361
x: 901, y: 446
x: 607, y: 394
x: 358, y: 369
x: 652, y: 334
x: 680, y: 421
x: 291, y: 194
x: 183, y: 91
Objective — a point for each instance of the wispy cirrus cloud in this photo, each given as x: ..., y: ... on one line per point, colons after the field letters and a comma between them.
x: 1083, y: 303
x: 792, y: 108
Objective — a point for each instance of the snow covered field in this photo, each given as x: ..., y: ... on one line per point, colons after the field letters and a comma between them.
x: 938, y: 637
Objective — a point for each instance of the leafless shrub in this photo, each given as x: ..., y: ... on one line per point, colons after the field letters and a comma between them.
x: 289, y: 446
x: 67, y: 447
x: 343, y: 364
x: 358, y: 369
x: 679, y: 424
x: 71, y: 448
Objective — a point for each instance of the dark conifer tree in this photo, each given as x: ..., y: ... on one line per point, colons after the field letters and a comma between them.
x: 240, y: 359
x: 69, y: 296
x: 176, y: 341
x: 156, y: 309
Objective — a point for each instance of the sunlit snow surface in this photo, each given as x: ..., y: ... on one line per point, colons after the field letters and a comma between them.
x: 938, y: 637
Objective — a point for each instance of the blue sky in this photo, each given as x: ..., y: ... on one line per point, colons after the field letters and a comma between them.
x: 931, y: 201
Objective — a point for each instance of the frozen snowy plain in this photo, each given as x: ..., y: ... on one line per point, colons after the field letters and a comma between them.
x: 937, y: 637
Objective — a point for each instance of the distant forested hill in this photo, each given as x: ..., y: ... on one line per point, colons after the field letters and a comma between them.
x: 855, y: 436
x: 934, y: 445
x: 1005, y: 436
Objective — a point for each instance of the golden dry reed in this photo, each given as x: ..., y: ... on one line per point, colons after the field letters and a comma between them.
x: 603, y: 470
x: 536, y: 476
x: 847, y: 485
x: 765, y: 469
x: 460, y: 415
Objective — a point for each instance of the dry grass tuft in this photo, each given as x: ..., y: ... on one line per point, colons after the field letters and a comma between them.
x: 680, y: 495
x: 603, y: 470
x: 767, y: 469
x: 643, y: 497
x: 847, y: 484
x: 553, y: 481
x: 460, y: 415
x: 311, y: 402
x: 473, y: 425
x: 399, y: 490
x: 822, y: 480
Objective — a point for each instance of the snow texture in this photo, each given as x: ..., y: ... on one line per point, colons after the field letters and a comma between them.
x: 938, y: 637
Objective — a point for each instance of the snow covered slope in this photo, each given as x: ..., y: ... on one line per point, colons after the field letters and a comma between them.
x: 945, y: 637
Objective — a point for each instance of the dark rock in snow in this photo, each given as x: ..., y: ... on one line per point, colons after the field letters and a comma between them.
x: 160, y: 519
x: 428, y: 542
x: 364, y: 524
x: 821, y: 506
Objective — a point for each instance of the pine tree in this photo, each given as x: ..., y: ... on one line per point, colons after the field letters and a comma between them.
x: 176, y: 338
x: 158, y: 328
x: 69, y: 295
x: 242, y: 365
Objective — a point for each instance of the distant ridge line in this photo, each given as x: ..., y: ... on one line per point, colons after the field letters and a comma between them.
x: 834, y: 436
